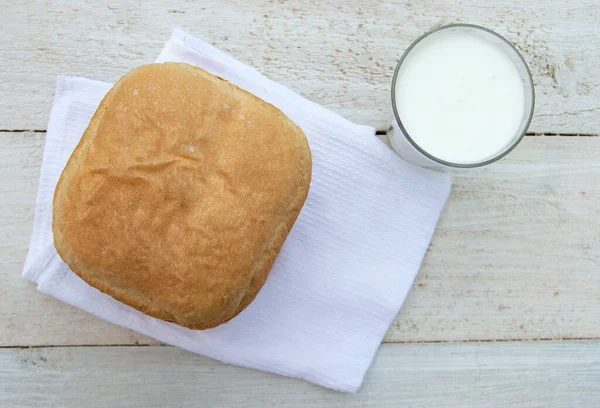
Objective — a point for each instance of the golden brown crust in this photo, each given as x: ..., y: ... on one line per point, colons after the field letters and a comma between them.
x: 180, y: 194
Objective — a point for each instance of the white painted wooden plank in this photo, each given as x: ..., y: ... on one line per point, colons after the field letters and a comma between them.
x: 510, y: 374
x: 338, y: 53
x: 516, y: 254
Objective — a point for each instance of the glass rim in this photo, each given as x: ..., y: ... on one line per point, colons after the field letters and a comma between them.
x: 405, y: 132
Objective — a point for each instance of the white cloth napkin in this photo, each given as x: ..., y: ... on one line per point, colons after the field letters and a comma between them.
x: 343, y: 271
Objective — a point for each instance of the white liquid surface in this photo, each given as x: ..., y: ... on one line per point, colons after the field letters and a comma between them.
x: 460, y: 97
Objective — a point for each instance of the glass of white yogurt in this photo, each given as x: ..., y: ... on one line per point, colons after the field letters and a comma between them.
x: 462, y: 96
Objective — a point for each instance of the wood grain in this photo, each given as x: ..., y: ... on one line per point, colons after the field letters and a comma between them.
x: 524, y: 374
x: 340, y: 54
x: 516, y: 254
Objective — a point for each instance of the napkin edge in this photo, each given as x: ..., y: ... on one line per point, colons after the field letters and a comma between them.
x: 55, y: 121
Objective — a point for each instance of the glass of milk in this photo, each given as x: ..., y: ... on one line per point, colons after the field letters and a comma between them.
x: 462, y: 96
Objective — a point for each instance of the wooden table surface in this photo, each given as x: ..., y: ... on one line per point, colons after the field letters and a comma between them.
x: 506, y: 308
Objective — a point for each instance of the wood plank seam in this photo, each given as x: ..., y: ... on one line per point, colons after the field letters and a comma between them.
x: 378, y: 132
x: 545, y: 339
x: 562, y: 134
x: 22, y: 130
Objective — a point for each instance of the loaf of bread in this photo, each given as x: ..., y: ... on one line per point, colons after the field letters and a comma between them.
x: 180, y: 194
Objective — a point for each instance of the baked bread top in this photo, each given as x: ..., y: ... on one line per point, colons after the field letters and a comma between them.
x: 180, y: 194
